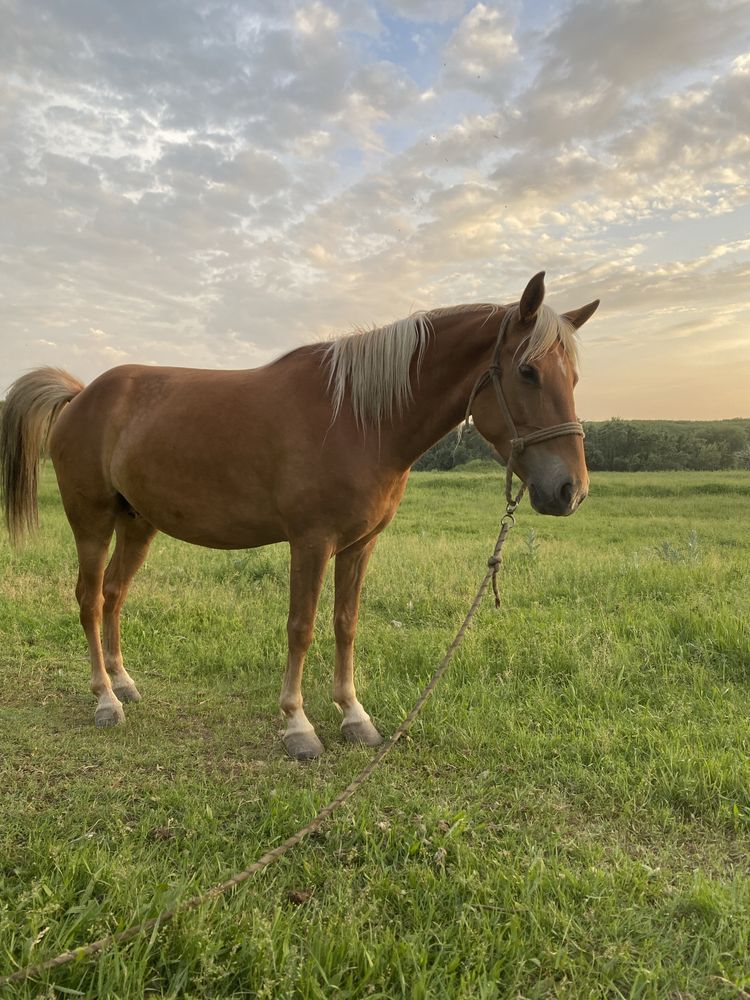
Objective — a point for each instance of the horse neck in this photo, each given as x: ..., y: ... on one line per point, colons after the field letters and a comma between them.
x: 460, y: 349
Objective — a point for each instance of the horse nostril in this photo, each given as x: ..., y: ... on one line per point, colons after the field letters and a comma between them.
x: 567, y: 492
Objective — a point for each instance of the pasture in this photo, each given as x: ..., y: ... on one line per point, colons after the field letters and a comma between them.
x: 570, y: 817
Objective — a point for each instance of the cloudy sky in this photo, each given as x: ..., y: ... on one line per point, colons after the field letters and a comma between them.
x: 211, y: 183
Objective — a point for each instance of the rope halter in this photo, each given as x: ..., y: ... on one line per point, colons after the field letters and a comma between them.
x: 518, y: 442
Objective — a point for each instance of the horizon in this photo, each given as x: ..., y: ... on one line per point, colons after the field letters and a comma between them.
x: 213, y: 186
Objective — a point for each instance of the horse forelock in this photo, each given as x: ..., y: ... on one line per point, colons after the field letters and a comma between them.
x: 550, y: 328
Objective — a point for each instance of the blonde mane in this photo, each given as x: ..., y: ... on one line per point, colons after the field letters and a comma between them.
x: 374, y: 365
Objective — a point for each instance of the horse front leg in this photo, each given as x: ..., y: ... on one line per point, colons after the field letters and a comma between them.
x: 308, y: 566
x: 351, y: 565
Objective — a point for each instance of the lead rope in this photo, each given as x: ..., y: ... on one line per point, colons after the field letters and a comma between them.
x: 154, y: 923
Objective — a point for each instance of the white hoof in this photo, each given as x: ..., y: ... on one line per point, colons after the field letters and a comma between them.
x: 303, y: 746
x: 361, y: 731
x: 109, y: 714
x: 126, y: 692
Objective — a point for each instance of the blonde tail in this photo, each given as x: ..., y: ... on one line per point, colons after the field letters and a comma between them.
x: 33, y: 404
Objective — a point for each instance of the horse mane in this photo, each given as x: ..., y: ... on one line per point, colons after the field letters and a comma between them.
x: 374, y: 365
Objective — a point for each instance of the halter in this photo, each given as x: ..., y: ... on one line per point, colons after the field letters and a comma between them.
x: 517, y: 442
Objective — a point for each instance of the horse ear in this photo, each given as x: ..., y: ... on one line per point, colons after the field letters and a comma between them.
x: 532, y: 298
x: 579, y: 316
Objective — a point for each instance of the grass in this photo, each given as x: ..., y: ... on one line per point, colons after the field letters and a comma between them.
x: 570, y: 817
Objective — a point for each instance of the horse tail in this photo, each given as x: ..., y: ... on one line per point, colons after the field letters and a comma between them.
x: 33, y: 404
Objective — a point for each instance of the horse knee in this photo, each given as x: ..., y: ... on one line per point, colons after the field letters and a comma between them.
x: 112, y: 593
x: 91, y: 610
x: 345, y: 627
x: 299, y: 634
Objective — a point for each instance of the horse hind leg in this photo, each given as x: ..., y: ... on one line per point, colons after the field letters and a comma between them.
x: 133, y: 538
x: 92, y: 536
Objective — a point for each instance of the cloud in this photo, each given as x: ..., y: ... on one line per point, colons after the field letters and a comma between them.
x: 480, y: 50
x: 214, y: 184
x: 633, y: 43
x: 427, y: 10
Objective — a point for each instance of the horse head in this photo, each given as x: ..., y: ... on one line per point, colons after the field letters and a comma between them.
x: 524, y: 402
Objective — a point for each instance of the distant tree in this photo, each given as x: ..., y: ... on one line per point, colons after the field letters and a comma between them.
x: 448, y: 452
x: 664, y: 445
x: 627, y: 446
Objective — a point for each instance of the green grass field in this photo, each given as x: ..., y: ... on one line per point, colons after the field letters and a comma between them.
x: 570, y: 817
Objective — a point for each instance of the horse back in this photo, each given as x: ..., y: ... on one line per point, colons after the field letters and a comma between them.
x: 229, y: 459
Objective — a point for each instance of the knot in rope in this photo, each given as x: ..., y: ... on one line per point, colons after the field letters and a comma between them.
x: 494, y: 563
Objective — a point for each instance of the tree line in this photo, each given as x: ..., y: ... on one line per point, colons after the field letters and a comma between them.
x: 626, y: 446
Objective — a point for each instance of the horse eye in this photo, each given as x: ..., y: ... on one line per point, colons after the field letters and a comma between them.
x: 529, y: 373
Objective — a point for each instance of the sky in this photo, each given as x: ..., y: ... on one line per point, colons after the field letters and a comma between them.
x: 214, y: 183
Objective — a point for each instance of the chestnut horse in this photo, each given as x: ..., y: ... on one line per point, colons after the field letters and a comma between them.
x: 314, y: 449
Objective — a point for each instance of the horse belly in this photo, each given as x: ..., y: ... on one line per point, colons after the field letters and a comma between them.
x: 204, y: 502
x: 229, y: 534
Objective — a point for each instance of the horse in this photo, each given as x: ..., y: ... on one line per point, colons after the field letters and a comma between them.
x: 313, y: 449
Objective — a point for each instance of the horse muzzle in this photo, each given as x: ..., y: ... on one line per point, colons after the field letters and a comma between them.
x: 559, y: 499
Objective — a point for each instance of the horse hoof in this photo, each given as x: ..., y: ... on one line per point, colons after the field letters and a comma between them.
x: 109, y: 715
x: 362, y: 731
x: 127, y: 692
x: 303, y: 746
